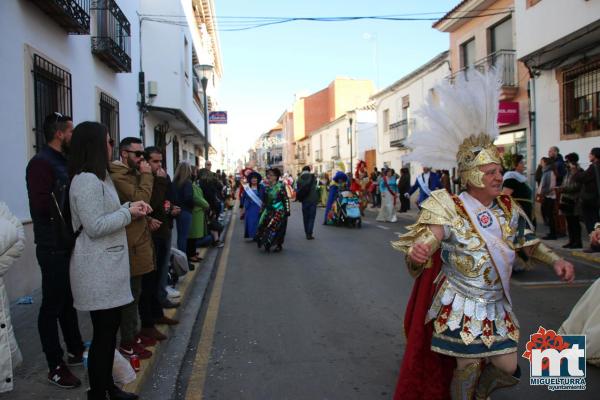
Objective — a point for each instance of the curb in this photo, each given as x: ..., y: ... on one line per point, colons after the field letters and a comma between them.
x: 171, y: 351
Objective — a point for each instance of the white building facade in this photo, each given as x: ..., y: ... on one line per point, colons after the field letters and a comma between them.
x: 68, y: 63
x: 395, y: 106
x: 171, y: 49
x: 564, y: 66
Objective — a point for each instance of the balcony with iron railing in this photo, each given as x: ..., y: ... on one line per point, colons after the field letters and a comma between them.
x: 318, y: 155
x: 72, y: 15
x: 398, y: 133
x: 335, y: 152
x: 506, y: 60
x: 112, y: 40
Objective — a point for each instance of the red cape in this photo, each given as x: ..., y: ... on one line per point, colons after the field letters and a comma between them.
x: 424, y: 375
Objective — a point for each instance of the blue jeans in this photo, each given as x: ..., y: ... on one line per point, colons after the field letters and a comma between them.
x: 309, y: 213
x: 184, y: 221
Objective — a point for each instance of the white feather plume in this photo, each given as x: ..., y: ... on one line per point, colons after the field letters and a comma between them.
x: 469, y: 106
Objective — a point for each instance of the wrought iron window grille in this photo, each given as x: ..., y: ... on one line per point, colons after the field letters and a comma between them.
x: 51, y: 92
x: 112, y: 39
x: 109, y: 116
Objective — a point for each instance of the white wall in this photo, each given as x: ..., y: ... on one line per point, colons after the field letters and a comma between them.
x: 164, y: 61
x: 366, y: 132
x: 550, y: 20
x: 25, y: 30
x: 417, y: 89
x: 547, y: 103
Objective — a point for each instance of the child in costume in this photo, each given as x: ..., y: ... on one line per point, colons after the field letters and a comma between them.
x: 461, y: 329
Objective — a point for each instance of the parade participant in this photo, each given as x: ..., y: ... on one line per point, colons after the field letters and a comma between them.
x: 461, y: 251
x: 309, y: 196
x: 323, y: 189
x: 340, y: 183
x: 276, y: 210
x: 389, y: 194
x: 360, y: 185
x: 252, y: 199
x: 585, y: 316
x: 425, y: 184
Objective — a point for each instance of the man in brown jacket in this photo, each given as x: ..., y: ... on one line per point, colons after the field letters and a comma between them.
x: 133, y: 180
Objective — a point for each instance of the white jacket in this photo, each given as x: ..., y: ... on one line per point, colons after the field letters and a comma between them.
x: 12, y: 243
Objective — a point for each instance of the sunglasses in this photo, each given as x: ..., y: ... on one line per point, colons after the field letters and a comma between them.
x: 137, y: 153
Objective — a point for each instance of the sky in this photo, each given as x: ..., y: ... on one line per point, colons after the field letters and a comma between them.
x: 264, y: 68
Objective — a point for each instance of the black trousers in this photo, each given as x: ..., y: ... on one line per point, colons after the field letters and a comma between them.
x: 102, y: 350
x: 548, y: 213
x: 309, y: 213
x: 574, y: 229
x: 590, y: 217
x: 149, y: 306
x: 404, y: 203
x: 57, y: 304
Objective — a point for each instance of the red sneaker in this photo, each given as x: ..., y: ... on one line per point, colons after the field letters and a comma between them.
x: 129, y: 349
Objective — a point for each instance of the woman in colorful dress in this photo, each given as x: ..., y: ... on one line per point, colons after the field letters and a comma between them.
x: 276, y: 210
x: 252, y: 200
x: 340, y: 183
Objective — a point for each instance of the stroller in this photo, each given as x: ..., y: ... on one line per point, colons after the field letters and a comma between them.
x: 348, y: 209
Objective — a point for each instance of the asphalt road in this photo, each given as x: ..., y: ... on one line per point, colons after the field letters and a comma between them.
x: 323, y: 319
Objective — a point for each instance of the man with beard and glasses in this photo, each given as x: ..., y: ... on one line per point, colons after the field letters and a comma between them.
x: 133, y: 179
x: 48, y: 189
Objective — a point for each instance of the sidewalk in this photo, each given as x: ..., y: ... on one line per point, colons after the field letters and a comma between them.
x: 31, y: 377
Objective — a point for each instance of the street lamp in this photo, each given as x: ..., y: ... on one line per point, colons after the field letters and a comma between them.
x: 205, y: 72
x: 351, y: 117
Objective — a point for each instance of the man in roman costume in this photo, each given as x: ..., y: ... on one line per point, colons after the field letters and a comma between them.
x: 461, y: 329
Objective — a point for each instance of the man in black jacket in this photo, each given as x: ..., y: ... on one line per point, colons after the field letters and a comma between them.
x: 48, y: 189
x: 308, y: 195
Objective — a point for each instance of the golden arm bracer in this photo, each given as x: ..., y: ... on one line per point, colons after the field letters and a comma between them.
x: 544, y: 254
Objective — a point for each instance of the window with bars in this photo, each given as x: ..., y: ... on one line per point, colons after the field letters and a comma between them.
x: 581, y: 100
x: 109, y: 116
x: 51, y: 93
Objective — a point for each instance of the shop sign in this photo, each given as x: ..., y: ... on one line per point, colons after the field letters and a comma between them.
x: 508, y: 113
x: 217, y: 117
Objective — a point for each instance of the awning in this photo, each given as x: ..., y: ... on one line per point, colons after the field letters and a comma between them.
x: 576, y: 46
x: 182, y: 125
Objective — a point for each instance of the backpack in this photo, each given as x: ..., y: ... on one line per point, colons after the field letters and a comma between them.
x: 304, y: 190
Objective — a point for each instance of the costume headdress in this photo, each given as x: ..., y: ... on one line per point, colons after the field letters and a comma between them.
x: 459, y: 126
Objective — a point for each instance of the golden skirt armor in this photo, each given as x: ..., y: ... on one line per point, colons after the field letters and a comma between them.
x: 471, y: 311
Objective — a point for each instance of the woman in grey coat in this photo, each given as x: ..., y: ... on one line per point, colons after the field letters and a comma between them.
x: 99, y: 268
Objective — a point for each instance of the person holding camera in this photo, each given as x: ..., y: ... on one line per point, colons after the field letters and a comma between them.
x: 133, y: 179
x: 569, y: 204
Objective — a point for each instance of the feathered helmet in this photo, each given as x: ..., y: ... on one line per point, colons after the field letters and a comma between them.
x: 460, y: 126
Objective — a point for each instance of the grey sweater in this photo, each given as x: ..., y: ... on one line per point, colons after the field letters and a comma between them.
x: 99, y: 266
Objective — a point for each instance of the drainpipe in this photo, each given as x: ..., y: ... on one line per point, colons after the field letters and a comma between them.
x: 532, y: 157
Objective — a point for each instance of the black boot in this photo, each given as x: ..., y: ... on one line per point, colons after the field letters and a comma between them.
x: 117, y: 394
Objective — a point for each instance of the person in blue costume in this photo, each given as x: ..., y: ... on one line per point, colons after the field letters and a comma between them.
x: 252, y: 200
x: 340, y: 183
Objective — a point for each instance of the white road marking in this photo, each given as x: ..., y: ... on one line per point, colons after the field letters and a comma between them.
x: 383, y: 227
x: 542, y: 284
